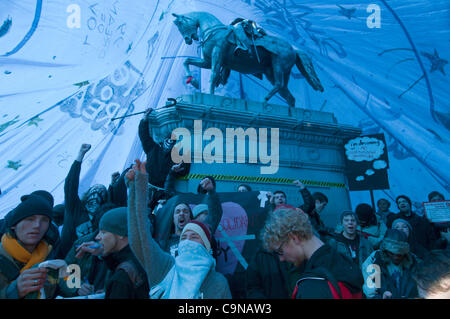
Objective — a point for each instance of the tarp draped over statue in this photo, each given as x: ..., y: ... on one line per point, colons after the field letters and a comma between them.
x: 68, y: 67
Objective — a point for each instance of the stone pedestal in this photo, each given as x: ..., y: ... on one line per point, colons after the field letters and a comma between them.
x: 310, y: 147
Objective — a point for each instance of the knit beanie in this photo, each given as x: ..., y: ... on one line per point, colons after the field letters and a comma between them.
x: 395, y: 242
x: 31, y: 205
x: 201, y: 229
x: 365, y: 214
x: 115, y: 221
x: 44, y: 194
x: 200, y: 208
x: 58, y: 214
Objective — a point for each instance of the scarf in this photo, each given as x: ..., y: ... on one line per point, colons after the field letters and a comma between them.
x: 185, y: 278
x: 15, y: 250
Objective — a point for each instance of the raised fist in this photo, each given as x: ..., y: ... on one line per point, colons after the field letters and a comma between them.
x: 299, y: 184
x: 85, y: 148
x: 207, y: 184
x: 177, y: 167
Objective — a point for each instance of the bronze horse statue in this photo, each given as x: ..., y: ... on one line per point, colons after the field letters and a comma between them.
x: 244, y: 48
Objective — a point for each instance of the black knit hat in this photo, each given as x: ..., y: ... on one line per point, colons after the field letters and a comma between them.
x: 115, y: 221
x: 31, y: 205
x: 58, y: 214
x: 44, y: 194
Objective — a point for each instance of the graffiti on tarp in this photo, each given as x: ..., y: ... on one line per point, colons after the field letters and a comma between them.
x: 291, y: 19
x: 110, y: 97
x: 105, y: 21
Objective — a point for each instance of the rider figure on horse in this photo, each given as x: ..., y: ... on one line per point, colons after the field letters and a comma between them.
x: 245, y: 33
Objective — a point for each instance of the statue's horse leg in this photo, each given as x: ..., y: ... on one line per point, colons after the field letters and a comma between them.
x: 275, y: 76
x: 286, y: 94
x: 216, y: 65
x: 201, y: 63
x: 279, y: 77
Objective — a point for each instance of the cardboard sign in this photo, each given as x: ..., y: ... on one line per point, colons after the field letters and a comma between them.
x: 437, y: 212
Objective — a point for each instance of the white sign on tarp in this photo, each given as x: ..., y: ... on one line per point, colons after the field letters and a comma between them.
x: 437, y: 212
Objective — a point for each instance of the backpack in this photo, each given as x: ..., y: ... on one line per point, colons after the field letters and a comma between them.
x: 338, y: 288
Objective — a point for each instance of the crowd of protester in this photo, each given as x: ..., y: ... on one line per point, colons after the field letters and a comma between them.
x: 388, y: 252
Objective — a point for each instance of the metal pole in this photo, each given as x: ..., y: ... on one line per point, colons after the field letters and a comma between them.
x: 172, y: 100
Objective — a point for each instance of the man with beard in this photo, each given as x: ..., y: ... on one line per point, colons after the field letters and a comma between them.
x: 183, y: 214
x: 80, y: 215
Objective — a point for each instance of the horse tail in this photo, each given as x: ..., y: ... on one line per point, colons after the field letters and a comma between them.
x: 306, y: 68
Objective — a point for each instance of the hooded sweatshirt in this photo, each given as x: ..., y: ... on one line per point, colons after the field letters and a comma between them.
x: 312, y: 283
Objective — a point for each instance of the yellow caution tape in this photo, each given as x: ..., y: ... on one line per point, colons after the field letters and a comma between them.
x: 259, y: 179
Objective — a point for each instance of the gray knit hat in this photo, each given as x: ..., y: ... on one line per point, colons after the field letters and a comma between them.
x: 115, y: 221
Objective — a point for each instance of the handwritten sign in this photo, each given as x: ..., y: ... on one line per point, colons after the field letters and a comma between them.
x: 437, y: 212
x: 366, y: 162
x: 364, y: 149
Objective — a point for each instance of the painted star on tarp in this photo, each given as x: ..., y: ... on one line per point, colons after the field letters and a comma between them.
x: 4, y: 126
x: 436, y: 62
x: 14, y: 165
x: 34, y: 121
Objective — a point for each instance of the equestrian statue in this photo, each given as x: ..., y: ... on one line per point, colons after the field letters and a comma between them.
x: 246, y: 48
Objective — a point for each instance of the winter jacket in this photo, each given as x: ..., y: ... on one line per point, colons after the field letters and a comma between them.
x: 308, y: 201
x: 267, y: 277
x: 309, y: 207
x: 379, y: 267
x: 93, y: 269
x: 126, y: 278
x: 374, y: 233
x: 156, y: 262
x: 159, y: 159
x: 10, y: 270
x: 117, y: 191
x: 311, y: 284
x: 75, y: 213
x: 365, y: 248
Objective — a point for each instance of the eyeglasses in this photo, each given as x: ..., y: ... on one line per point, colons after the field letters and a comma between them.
x: 280, y: 251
